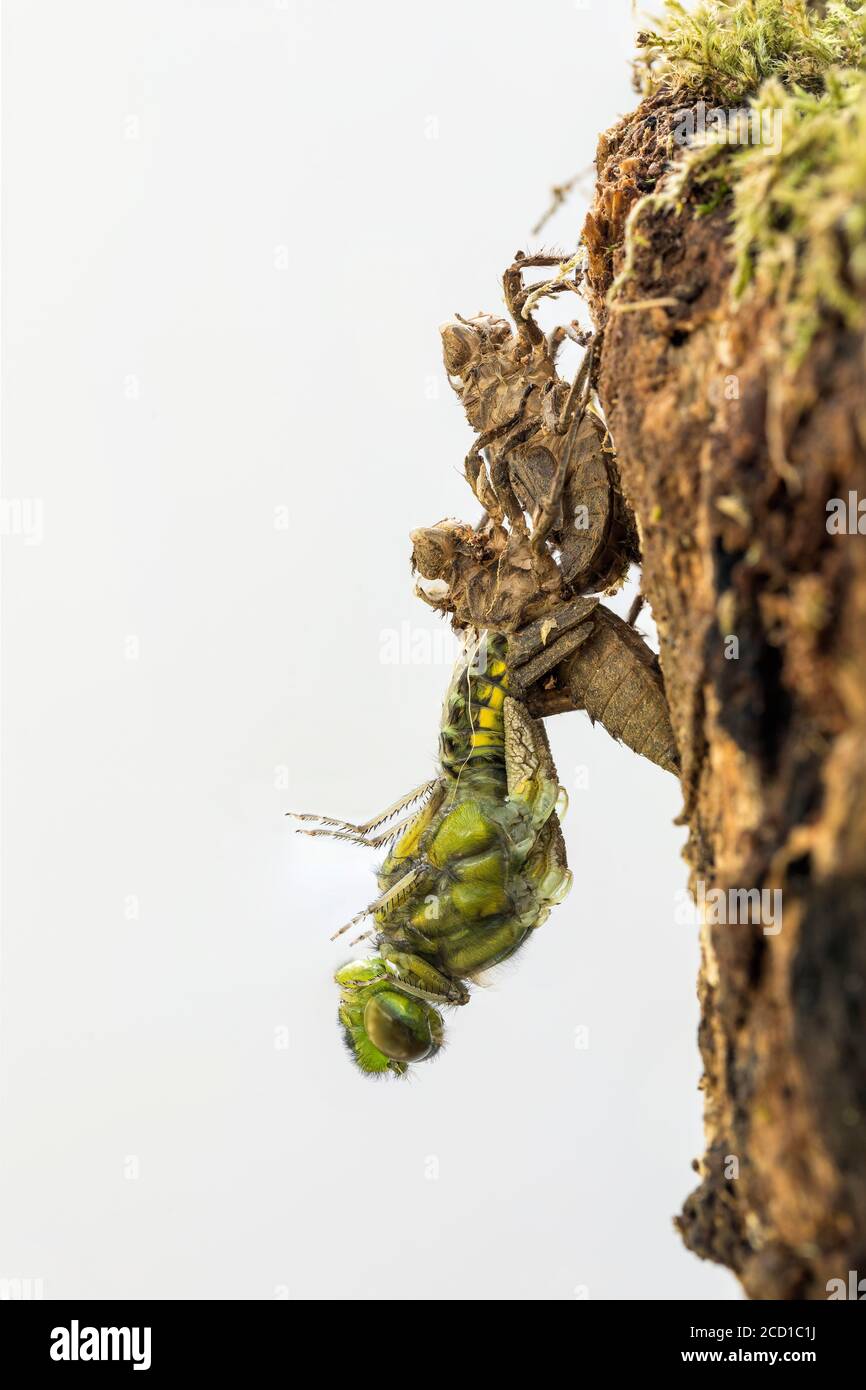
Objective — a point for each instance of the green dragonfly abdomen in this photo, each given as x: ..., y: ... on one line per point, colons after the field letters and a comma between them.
x: 472, y: 734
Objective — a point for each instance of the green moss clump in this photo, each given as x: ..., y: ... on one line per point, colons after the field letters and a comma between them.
x: 727, y: 50
x: 799, y: 212
x: 798, y: 202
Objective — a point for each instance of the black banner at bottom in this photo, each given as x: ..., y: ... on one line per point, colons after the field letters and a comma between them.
x: 218, y: 1338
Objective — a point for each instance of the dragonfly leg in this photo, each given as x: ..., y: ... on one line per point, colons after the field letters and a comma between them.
x: 354, y: 837
x: 388, y: 902
x: 417, y: 976
x: 572, y: 418
x: 349, y: 830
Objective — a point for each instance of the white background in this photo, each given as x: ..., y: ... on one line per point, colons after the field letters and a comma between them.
x: 231, y: 231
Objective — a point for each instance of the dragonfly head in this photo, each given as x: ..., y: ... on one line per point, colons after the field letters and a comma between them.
x: 385, y: 1028
x: 465, y: 340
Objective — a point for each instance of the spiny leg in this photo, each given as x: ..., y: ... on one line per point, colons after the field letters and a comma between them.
x: 637, y: 604
x: 348, y: 829
x: 540, y: 258
x: 388, y: 902
x: 417, y: 976
x: 575, y: 408
x: 581, y: 390
x: 368, y: 841
x: 475, y: 471
x: 514, y: 274
x: 517, y: 294
x: 496, y: 506
x: 562, y: 332
x: 555, y: 339
x: 365, y: 936
x: 500, y: 478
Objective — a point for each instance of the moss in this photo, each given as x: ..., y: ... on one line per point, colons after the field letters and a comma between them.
x: 799, y: 212
x: 798, y: 203
x: 727, y: 50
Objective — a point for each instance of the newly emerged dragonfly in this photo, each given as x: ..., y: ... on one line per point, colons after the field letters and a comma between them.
x: 478, y: 859
x: 471, y: 871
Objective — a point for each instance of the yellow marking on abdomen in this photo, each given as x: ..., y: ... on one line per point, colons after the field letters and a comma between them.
x: 488, y: 718
x: 487, y: 738
x: 491, y: 695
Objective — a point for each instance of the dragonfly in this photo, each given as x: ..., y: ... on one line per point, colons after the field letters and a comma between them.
x: 475, y: 862
x: 475, y: 856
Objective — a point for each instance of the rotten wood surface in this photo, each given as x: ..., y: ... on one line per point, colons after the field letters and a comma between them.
x: 728, y: 466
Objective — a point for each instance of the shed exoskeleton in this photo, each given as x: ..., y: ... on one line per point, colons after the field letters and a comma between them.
x: 505, y: 375
x: 556, y: 528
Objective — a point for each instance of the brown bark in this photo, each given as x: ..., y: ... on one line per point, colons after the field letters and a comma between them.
x: 729, y: 467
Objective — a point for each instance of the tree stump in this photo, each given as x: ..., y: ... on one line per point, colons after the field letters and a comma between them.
x: 729, y: 460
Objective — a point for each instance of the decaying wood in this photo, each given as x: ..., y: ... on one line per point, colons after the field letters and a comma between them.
x: 729, y: 466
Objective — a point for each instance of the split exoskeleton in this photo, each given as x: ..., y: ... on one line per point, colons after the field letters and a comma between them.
x: 556, y: 532
x: 478, y: 858
x: 539, y: 452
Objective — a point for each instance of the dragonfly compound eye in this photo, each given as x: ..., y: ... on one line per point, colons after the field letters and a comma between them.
x: 402, y: 1027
